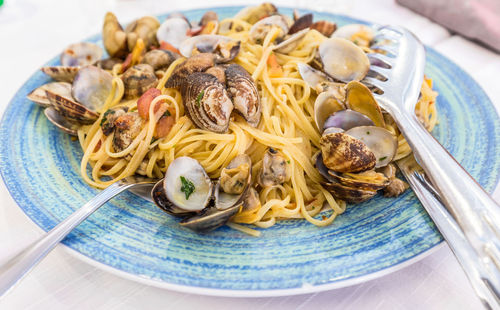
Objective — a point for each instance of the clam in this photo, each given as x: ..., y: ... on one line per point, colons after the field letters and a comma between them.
x: 342, y: 191
x: 219, y: 72
x: 253, y: 14
x: 359, y: 98
x: 343, y: 60
x: 39, y: 96
x: 187, y: 190
x: 347, y: 119
x: 159, y: 59
x: 89, y: 92
x: 326, y: 104
x: 209, y: 16
x: 275, y: 170
x: 243, y: 91
x: 359, y: 34
x: 311, y: 76
x: 344, y: 153
x: 113, y: 37
x: 196, y: 63
x: 224, y: 47
x: 126, y: 128
x: 303, y: 22
x: 92, y: 87
x: 60, y: 122
x: 81, y: 54
x: 173, y: 31
x: 61, y: 73
x: 379, y: 140
x: 108, y: 63
x: 138, y: 79
x: 260, y: 29
x: 291, y: 42
x: 396, y: 186
x: 109, y: 118
x: 207, y: 102
x: 144, y: 28
x: 324, y: 27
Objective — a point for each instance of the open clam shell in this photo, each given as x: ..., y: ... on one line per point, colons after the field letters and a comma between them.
x: 243, y: 91
x: 173, y: 31
x: 39, y: 96
x: 347, y: 119
x: 303, y: 22
x: 207, y: 102
x: 358, y: 33
x: 138, y: 79
x: 344, y: 153
x: 60, y: 122
x: 61, y: 73
x: 312, y: 76
x: 291, y: 43
x: 226, y: 47
x: 359, y: 98
x: 253, y: 14
x: 69, y: 108
x: 233, y: 183
x: 260, y: 29
x: 349, y: 194
x: 326, y: 104
x: 91, y: 87
x: 380, y: 141
x: 81, y: 54
x: 343, y: 60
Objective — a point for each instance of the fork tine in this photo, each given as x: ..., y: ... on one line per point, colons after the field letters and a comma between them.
x: 394, y: 30
x: 390, y: 49
x: 377, y: 58
x: 373, y: 82
x: 382, y: 71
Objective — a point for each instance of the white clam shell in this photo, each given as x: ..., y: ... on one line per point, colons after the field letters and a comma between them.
x: 173, y: 31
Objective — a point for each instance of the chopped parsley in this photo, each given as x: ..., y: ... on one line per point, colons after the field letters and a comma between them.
x: 382, y: 158
x: 198, y: 99
x: 367, y: 132
x: 288, y: 161
x: 167, y: 113
x: 105, y: 116
x: 187, y: 187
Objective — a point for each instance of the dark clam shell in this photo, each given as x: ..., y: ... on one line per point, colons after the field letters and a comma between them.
x: 138, y: 79
x: 326, y: 28
x: 343, y: 153
x: 210, y: 218
x: 303, y: 22
x: 60, y: 122
x: 218, y: 72
x: 160, y: 59
x: 160, y: 199
x: 196, y: 63
x: 207, y: 102
x: 244, y: 93
x: 349, y: 194
x: 70, y: 109
x: 61, y: 73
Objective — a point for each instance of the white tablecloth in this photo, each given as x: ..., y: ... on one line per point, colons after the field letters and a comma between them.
x: 31, y: 32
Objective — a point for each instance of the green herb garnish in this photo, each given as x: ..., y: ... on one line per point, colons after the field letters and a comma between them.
x: 356, y: 42
x: 187, y: 187
x: 105, y: 116
x: 167, y: 113
x: 288, y: 161
x: 367, y: 132
x: 382, y: 158
x: 198, y: 99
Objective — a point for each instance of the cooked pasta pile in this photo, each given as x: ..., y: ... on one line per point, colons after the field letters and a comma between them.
x: 286, y: 125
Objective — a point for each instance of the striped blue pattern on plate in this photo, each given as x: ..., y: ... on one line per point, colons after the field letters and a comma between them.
x: 132, y: 237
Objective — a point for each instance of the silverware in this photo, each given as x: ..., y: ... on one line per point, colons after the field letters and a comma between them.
x: 13, y: 269
x: 470, y: 220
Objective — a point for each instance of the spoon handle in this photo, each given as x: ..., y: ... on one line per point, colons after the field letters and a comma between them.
x: 14, y: 268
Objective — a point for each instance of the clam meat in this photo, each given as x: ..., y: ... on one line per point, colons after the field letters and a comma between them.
x: 275, y: 169
x: 138, y: 79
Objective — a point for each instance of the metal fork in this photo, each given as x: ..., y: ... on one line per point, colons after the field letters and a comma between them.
x: 16, y: 267
x: 470, y: 222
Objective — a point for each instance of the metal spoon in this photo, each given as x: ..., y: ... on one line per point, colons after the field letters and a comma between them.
x: 13, y: 269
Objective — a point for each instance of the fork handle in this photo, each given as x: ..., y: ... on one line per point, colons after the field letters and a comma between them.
x: 449, y: 228
x: 13, y: 269
x: 473, y: 209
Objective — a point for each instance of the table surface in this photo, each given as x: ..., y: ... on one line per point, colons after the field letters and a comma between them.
x: 32, y: 32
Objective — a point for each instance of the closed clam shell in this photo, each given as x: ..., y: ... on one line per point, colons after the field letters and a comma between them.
x: 260, y: 29
x: 113, y: 37
x: 138, y: 79
x: 196, y: 63
x: 144, y: 28
x: 343, y: 153
x: 244, y: 93
x: 61, y: 73
x: 207, y: 102
x: 324, y: 27
x: 159, y: 59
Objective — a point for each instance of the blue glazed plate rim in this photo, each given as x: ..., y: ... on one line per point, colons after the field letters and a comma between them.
x: 306, y: 288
